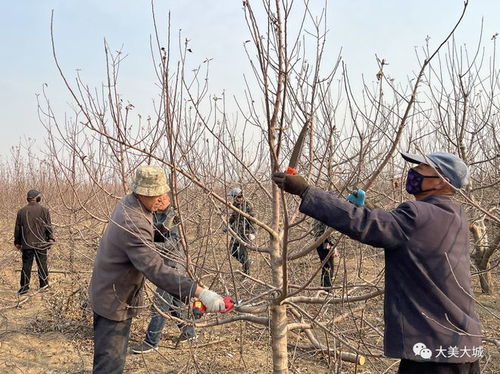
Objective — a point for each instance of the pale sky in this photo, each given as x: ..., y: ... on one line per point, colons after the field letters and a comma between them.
x: 390, y: 29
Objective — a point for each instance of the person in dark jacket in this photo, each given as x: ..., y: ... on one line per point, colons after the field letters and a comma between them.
x: 166, y: 238
x: 430, y: 322
x: 318, y: 229
x: 33, y: 236
x: 126, y: 255
x: 243, y: 227
x: 327, y: 249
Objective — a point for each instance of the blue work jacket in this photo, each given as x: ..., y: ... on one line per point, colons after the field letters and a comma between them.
x: 428, y: 305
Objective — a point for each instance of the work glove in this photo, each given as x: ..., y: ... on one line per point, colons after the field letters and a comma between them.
x: 357, y: 197
x: 294, y: 184
x: 251, y: 237
x: 212, y: 301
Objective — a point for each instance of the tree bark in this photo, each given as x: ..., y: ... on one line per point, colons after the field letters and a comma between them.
x: 279, y: 339
x: 482, y: 254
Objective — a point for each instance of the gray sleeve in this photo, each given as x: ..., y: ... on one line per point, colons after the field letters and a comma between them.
x: 377, y: 227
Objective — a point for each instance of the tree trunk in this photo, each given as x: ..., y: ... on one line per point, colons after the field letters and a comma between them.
x: 485, y: 279
x: 482, y: 255
x: 279, y: 330
x: 279, y: 339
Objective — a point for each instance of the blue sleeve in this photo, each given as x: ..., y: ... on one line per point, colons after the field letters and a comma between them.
x: 174, y: 234
x: 377, y: 227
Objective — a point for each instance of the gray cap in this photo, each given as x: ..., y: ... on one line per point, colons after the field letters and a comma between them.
x: 32, y: 194
x: 448, y: 164
x: 150, y: 181
x: 235, y: 191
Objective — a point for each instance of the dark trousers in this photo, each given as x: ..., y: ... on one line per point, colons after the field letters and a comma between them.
x: 40, y: 256
x: 417, y: 367
x: 240, y: 252
x: 110, y: 345
x: 327, y: 268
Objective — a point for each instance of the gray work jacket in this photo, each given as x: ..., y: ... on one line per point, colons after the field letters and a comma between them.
x: 428, y: 291
x: 126, y: 255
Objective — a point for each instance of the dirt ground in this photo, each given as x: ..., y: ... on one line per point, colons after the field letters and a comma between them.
x: 51, y: 332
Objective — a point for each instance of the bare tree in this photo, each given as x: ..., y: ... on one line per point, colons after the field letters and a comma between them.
x: 352, y: 140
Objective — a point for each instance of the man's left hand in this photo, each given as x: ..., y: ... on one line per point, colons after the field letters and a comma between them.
x: 357, y: 197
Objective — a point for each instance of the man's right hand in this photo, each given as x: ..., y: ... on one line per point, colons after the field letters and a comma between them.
x: 294, y: 184
x: 212, y: 301
x: 19, y: 246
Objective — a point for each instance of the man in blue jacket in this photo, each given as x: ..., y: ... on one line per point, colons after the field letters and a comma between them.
x: 429, y: 315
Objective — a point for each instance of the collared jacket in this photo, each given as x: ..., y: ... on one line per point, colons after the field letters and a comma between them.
x: 33, y: 227
x: 126, y: 255
x: 242, y: 225
x: 428, y: 295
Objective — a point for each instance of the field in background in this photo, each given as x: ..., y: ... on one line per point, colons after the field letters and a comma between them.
x: 51, y: 332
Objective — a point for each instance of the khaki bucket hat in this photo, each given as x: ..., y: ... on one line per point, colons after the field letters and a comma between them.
x: 150, y: 181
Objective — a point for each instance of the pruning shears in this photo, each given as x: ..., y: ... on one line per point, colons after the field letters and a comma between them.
x: 297, y: 150
x: 356, y: 197
x: 199, y: 308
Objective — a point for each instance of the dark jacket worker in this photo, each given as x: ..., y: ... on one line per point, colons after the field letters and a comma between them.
x: 33, y: 236
x: 429, y: 315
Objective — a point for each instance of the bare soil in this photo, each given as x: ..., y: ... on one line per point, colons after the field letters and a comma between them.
x: 51, y: 331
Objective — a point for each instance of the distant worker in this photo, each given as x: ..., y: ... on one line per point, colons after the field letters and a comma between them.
x: 327, y: 248
x: 166, y: 238
x: 242, y: 226
x: 33, y: 236
x: 324, y: 249
x: 126, y: 255
x: 430, y: 322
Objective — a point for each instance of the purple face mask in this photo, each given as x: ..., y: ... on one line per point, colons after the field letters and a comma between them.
x: 414, y: 182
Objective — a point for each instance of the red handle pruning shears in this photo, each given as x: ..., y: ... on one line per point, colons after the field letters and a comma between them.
x: 199, y: 308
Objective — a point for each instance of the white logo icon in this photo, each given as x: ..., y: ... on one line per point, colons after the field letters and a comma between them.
x: 421, y: 350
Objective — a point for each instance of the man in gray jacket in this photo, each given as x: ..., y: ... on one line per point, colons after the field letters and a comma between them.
x: 166, y: 237
x: 430, y: 321
x: 126, y: 255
